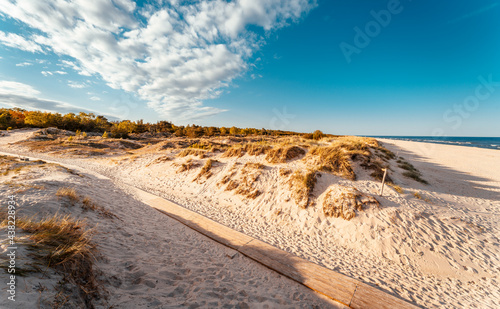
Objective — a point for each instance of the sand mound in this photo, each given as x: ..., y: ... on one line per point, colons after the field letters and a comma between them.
x: 341, y: 201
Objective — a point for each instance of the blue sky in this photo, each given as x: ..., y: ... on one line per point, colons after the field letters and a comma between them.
x: 344, y: 67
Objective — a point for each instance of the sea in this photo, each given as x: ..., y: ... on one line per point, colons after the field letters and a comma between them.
x: 480, y: 142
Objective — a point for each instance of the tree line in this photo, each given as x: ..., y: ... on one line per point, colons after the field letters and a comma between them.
x: 16, y: 118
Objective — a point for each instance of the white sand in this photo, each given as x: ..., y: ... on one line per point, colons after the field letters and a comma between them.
x: 147, y: 260
x: 440, y: 250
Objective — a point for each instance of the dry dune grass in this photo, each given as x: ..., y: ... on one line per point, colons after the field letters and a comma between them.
x: 338, y: 156
x: 65, y: 244
x: 302, y: 185
x: 245, y: 184
x: 252, y: 149
x: 161, y: 159
x: 206, y: 170
x: 86, y: 203
x: 9, y: 164
x: 343, y: 202
x: 186, y: 166
x: 192, y: 152
x: 283, y: 154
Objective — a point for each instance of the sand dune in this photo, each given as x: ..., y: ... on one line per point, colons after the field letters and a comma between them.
x: 435, y: 245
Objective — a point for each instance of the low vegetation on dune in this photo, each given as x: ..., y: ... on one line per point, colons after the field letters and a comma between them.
x: 302, y: 184
x: 192, y: 152
x: 86, y: 203
x: 243, y: 182
x: 12, y: 165
x: 283, y: 154
x: 343, y: 202
x: 411, y: 171
x: 187, y: 165
x: 205, y: 171
x: 64, y: 244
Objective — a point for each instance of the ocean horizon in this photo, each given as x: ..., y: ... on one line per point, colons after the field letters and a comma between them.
x: 467, y: 141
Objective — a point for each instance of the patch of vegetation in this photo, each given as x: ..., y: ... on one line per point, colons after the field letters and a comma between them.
x: 192, y: 152
x: 396, y: 188
x: 68, y: 193
x: 186, y: 166
x: 245, y: 184
x: 9, y: 164
x: 343, y: 202
x: 283, y: 154
x: 302, y: 185
x: 411, y: 172
x: 86, y: 203
x: 64, y: 244
x: 205, y: 170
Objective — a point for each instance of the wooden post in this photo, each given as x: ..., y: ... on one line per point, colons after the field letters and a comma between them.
x: 383, y: 181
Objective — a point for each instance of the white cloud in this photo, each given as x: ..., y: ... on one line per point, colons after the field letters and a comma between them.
x: 47, y: 73
x: 17, y: 41
x: 184, y: 52
x: 95, y: 98
x: 77, y: 85
x: 23, y: 64
x: 15, y: 94
x: 10, y: 87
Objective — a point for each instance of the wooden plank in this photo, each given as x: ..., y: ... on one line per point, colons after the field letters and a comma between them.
x: 367, y: 296
x: 180, y: 214
x: 327, y: 282
x: 219, y: 232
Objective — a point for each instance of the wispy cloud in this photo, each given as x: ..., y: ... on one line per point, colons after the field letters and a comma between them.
x: 94, y: 98
x: 77, y: 85
x: 49, y: 73
x: 19, y: 42
x: 15, y: 94
x: 474, y: 13
x: 180, y: 53
x: 23, y: 64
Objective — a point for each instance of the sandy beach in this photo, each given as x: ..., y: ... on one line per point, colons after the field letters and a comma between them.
x: 434, y: 244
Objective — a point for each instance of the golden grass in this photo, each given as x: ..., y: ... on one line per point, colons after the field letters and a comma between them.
x: 192, y: 152
x: 396, y: 188
x: 206, y: 170
x: 343, y: 202
x: 69, y: 193
x: 283, y: 154
x: 186, y: 166
x: 245, y: 184
x: 86, y: 202
x: 65, y: 244
x: 302, y: 185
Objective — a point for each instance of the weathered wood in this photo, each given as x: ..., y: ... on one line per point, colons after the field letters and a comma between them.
x: 220, y: 233
x: 320, y: 279
x: 178, y: 213
x: 367, y: 296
